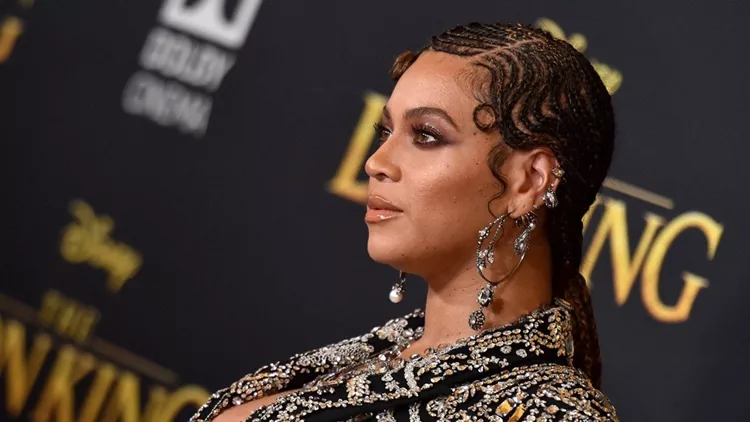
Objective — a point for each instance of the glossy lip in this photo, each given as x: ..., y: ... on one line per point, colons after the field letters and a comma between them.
x: 380, y: 209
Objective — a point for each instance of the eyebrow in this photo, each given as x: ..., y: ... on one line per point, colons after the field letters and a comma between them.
x: 423, y: 111
x: 427, y: 111
x: 386, y: 114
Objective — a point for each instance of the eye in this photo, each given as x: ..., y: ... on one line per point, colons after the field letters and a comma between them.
x: 426, y: 135
x: 381, y: 132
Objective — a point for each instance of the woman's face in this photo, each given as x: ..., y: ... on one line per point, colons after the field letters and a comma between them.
x: 429, y: 181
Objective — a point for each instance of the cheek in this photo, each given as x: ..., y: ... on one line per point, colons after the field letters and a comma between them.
x: 448, y: 202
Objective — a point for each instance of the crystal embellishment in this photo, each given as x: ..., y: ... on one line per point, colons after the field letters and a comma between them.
x: 549, y: 198
x: 521, y: 244
x: 506, y: 357
x: 485, y: 296
x: 476, y: 320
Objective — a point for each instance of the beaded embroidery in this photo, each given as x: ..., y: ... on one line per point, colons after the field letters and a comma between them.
x: 519, y: 372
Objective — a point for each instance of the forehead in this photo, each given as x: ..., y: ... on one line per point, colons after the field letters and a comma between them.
x: 436, y: 80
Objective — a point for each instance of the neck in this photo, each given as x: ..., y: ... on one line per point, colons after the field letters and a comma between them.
x: 451, y: 299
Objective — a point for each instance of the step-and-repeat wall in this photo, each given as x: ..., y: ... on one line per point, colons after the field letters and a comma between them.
x: 182, y: 195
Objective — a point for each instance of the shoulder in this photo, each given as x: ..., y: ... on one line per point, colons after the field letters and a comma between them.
x: 542, y: 392
x: 302, y: 368
x: 349, y: 351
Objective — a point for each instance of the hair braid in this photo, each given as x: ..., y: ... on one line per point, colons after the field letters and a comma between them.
x: 570, y: 285
x: 538, y: 91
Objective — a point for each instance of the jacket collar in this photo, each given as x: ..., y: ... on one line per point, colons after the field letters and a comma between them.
x: 325, y: 376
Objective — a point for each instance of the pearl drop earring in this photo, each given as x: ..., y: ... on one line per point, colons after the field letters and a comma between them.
x: 397, y: 291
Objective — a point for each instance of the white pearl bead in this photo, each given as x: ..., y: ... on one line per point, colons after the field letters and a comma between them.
x: 395, y: 296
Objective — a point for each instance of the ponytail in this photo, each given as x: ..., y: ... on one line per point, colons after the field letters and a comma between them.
x: 566, y: 243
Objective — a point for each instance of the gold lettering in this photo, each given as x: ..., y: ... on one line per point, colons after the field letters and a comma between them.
x: 112, y: 396
x: 86, y: 322
x: 187, y: 395
x: 51, y: 303
x: 612, y: 78
x: 67, y: 316
x: 105, y: 375
x: 58, y: 395
x: 578, y: 41
x: 693, y: 283
x: 345, y: 183
x: 157, y: 399
x: 614, y: 225
x: 124, y: 403
x: 87, y: 240
x: 587, y: 217
x: 20, y: 374
x: 10, y: 29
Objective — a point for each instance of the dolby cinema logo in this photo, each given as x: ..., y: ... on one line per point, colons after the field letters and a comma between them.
x: 184, y: 60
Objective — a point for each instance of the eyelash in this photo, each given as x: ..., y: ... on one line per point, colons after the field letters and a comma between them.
x: 422, y: 130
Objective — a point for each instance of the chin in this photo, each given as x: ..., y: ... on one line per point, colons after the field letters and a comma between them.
x: 385, y: 250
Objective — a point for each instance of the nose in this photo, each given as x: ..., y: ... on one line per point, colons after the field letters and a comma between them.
x: 381, y: 166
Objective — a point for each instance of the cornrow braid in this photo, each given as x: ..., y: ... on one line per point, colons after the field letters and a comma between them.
x: 538, y: 91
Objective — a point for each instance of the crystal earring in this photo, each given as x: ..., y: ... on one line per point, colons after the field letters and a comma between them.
x: 550, y: 198
x: 521, y: 244
x: 520, y: 247
x: 397, y: 291
x: 484, y: 258
x: 487, y: 255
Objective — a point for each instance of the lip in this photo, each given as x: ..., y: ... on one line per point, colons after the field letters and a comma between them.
x: 380, y: 209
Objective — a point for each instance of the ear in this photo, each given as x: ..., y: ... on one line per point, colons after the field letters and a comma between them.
x: 529, y: 178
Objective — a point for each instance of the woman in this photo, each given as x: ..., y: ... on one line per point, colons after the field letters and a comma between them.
x: 493, y: 145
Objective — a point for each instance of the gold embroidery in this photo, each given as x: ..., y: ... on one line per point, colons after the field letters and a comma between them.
x: 517, y: 414
x: 504, y: 408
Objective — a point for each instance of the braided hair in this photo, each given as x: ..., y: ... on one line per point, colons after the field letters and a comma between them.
x: 538, y: 91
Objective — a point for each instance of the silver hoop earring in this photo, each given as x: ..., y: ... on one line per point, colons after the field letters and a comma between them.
x: 484, y: 256
x: 398, y: 290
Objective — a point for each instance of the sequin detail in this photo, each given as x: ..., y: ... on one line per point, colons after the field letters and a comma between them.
x: 519, y: 372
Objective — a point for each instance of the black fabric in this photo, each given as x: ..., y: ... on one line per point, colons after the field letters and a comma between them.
x: 507, y: 355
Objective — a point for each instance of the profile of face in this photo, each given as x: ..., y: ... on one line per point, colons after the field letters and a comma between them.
x: 430, y: 187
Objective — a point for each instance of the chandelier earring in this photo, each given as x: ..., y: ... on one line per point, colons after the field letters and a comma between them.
x: 486, y: 256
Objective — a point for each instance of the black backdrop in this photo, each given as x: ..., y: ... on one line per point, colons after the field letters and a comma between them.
x: 181, y: 195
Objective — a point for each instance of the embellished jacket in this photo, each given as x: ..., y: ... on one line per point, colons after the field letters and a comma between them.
x: 519, y: 372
